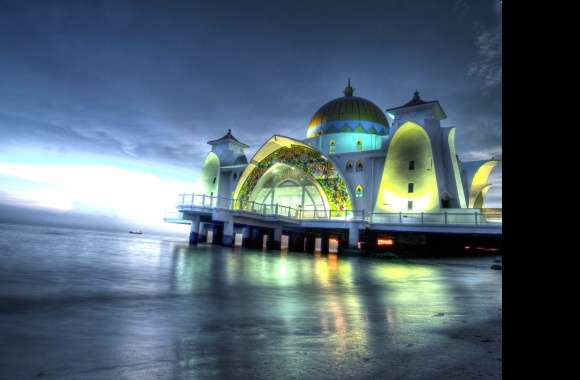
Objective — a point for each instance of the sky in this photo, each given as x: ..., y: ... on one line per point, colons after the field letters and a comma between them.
x: 106, y: 106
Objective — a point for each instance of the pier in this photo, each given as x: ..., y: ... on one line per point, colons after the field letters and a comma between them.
x: 231, y: 222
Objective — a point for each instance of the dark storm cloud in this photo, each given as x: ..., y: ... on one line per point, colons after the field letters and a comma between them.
x: 156, y: 79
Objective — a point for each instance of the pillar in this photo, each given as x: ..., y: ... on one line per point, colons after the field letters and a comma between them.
x: 202, y: 233
x: 277, y: 238
x: 194, y: 232
x: 228, y: 235
x: 353, y: 235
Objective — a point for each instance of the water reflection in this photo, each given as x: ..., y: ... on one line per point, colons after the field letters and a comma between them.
x: 357, y: 308
x: 137, y: 304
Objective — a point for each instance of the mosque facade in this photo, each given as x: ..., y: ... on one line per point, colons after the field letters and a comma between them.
x: 356, y: 162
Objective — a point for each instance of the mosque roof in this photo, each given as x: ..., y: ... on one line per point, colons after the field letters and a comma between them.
x: 417, y: 101
x: 226, y: 138
x: 348, y: 113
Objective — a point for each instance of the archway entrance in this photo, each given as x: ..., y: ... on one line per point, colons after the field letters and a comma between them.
x: 290, y: 186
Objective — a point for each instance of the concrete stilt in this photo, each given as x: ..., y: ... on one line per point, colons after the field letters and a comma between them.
x: 277, y: 238
x: 202, y: 233
x: 194, y: 232
x: 228, y: 235
x: 353, y: 236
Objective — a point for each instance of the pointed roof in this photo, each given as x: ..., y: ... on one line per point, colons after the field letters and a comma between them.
x: 416, y: 101
x: 226, y: 138
x: 348, y: 90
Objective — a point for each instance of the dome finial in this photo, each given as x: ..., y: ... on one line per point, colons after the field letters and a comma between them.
x: 416, y: 95
x: 348, y: 90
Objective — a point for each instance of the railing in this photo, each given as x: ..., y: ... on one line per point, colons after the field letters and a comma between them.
x: 456, y: 216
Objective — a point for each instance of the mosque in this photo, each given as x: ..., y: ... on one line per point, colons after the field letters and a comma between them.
x: 358, y: 169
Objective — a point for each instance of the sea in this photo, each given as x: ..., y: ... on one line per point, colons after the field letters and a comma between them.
x: 82, y: 304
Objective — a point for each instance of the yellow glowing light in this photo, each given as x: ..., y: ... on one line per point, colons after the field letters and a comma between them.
x: 403, y: 272
x: 479, y: 185
x: 273, y: 144
x: 385, y: 242
x: 208, y: 180
x: 409, y: 143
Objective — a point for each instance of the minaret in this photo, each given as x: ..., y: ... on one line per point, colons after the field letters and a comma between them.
x: 229, y: 150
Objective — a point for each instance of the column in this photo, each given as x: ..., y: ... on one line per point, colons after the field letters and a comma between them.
x: 194, y: 232
x: 353, y: 235
x: 228, y: 235
x: 202, y: 233
x: 277, y: 237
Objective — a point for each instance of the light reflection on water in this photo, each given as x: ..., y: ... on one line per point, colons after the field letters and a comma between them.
x: 116, y: 300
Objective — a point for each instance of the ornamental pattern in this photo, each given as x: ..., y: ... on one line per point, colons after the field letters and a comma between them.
x: 313, y: 163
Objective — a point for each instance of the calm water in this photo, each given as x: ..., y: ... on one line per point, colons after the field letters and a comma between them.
x: 90, y: 305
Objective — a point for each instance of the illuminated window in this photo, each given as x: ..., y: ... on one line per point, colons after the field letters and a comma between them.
x: 359, y: 166
x: 332, y: 245
x: 332, y: 147
x: 359, y: 145
x: 410, y: 187
x: 411, y: 165
x: 349, y: 165
x: 409, y: 205
x: 358, y: 191
x: 384, y: 241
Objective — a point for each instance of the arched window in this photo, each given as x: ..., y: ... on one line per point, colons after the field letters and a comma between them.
x: 358, y: 191
x: 359, y: 145
x: 349, y: 165
x: 214, y: 179
x: 235, y: 176
x: 359, y: 166
x: 332, y: 147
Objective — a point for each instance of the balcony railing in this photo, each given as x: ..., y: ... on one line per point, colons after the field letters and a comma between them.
x: 200, y: 202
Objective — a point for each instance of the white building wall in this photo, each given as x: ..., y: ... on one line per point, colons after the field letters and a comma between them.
x: 373, y: 162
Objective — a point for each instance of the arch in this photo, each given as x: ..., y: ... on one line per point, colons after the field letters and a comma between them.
x: 358, y: 191
x: 359, y: 166
x: 359, y: 129
x: 349, y: 165
x: 332, y: 146
x: 409, y: 143
x: 289, y: 186
x: 479, y: 185
x: 208, y: 179
x: 359, y: 145
x: 332, y: 129
x: 294, y: 153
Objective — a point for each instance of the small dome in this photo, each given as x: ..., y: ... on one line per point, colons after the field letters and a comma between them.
x: 348, y: 114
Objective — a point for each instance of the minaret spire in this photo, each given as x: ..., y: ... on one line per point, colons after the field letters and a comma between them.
x: 348, y: 90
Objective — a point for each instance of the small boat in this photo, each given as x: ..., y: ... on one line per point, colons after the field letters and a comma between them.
x: 136, y: 232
